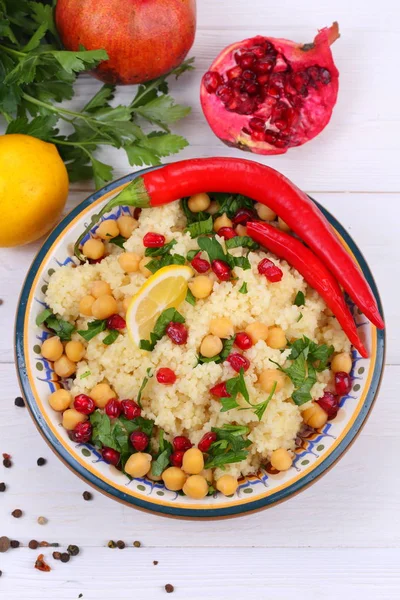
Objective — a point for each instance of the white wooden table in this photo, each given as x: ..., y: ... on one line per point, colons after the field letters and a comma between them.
x: 339, y: 538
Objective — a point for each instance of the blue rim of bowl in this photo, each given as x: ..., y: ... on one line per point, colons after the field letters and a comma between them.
x: 95, y: 481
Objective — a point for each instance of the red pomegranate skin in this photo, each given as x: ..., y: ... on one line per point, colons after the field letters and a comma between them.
x: 144, y: 39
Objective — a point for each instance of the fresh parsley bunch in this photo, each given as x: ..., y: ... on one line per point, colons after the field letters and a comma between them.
x: 36, y: 74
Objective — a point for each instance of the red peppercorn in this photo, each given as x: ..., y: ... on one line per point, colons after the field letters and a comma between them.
x: 113, y: 408
x: 342, y: 383
x: 206, y: 441
x: 84, y: 404
x: 130, y: 409
x: 110, y: 455
x: 221, y: 269
x: 220, y: 390
x: 82, y: 432
x: 165, y: 376
x: 330, y: 403
x: 153, y: 240
x: 243, y: 215
x: 116, y: 322
x: 177, y: 333
x: 139, y: 440
x: 237, y: 362
x: 200, y: 264
x: 227, y: 233
x: 272, y: 272
x: 181, y: 442
x: 243, y: 340
x: 176, y: 458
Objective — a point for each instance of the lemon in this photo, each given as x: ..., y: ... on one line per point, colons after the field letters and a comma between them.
x: 33, y: 188
x: 167, y: 288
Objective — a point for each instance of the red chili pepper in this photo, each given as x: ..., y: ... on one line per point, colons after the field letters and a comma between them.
x: 262, y: 184
x: 314, y: 272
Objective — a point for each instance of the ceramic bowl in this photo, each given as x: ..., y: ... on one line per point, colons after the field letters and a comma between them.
x: 315, y: 454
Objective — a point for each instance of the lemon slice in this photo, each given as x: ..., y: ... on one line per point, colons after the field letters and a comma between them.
x: 167, y: 288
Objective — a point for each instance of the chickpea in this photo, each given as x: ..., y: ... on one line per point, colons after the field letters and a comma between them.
x: 281, y: 459
x: 60, y: 399
x: 340, y: 362
x: 85, y: 305
x: 257, y: 331
x: 208, y: 475
x: 93, y: 249
x: 268, y: 377
x: 199, y: 202
x: 71, y: 418
x: 241, y: 230
x: 64, y: 367
x: 127, y: 225
x: 52, y: 348
x: 174, y: 478
x: 75, y: 350
x: 276, y: 337
x: 210, y: 346
x: 222, y: 327
x: 142, y: 266
x: 282, y: 225
x: 201, y: 286
x: 227, y: 485
x: 107, y: 229
x: 196, y: 487
x: 101, y: 394
x: 138, y: 464
x: 100, y: 288
x: 104, y: 307
x: 222, y: 221
x: 154, y: 477
x: 213, y: 208
x: 125, y: 303
x: 264, y: 212
x: 314, y: 416
x: 129, y: 262
x: 193, y: 461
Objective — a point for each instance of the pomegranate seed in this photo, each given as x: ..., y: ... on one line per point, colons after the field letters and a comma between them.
x: 165, y: 376
x: 257, y: 124
x: 243, y: 215
x: 212, y: 80
x: 258, y: 136
x: 342, y: 383
x: 314, y: 73
x: 234, y: 73
x: 263, y: 66
x: 137, y: 212
x: 325, y: 76
x: 110, y: 455
x: 84, y: 404
x: 82, y: 432
x: 227, y: 233
x: 330, y: 403
x: 237, y: 83
x: 220, y: 391
x: 281, y: 124
x: 177, y: 333
x: 237, y: 362
x: 281, y: 142
x: 273, y: 91
x: 181, y: 442
x: 139, y: 440
x: 153, y: 240
x: 248, y: 75
x: 200, y: 264
x: 116, y: 322
x: 278, y: 79
x: 251, y: 88
x: 224, y: 93
x: 176, y: 458
x: 263, y: 79
x: 221, y: 269
x: 270, y: 136
x: 113, y: 408
x: 247, y: 60
x: 272, y: 272
x: 130, y: 409
x: 243, y: 340
x: 206, y: 441
x: 259, y: 51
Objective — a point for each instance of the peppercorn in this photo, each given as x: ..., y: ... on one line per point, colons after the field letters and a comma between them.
x: 33, y: 544
x: 87, y: 496
x: 169, y: 588
x: 4, y: 543
x: 7, y: 463
x: 1, y: 572
x: 56, y: 555
x: 155, y: 562
x: 137, y: 544
x: 73, y: 550
x: 17, y: 513
x: 14, y: 544
x: 120, y: 544
x: 41, y: 461
x: 111, y: 544
x: 19, y: 402
x: 64, y: 557
x: 2, y: 487
x: 42, y: 520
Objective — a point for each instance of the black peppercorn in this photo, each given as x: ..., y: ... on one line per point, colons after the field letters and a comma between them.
x: 73, y: 550
x: 19, y: 402
x: 87, y: 496
x: 64, y: 557
x: 2, y: 487
x: 41, y: 461
x: 7, y: 463
x: 14, y: 544
x: 33, y: 544
x: 120, y: 544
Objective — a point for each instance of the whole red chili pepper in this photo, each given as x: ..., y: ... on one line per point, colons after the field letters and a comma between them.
x: 263, y: 184
x: 313, y: 270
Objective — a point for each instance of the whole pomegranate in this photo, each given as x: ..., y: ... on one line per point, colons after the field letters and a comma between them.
x: 266, y: 95
x: 143, y: 38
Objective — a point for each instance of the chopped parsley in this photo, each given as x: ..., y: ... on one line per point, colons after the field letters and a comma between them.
x: 162, y: 251
x: 215, y: 251
x: 62, y: 328
x: 94, y: 328
x: 190, y: 298
x: 229, y: 447
x: 244, y: 241
x: 300, y: 299
x: 118, y: 240
x: 85, y: 374
x: 243, y: 288
x: 144, y: 383
x: 168, y: 315
x: 223, y: 355
x: 161, y: 460
x: 169, y: 259
x: 201, y: 227
x: 111, y: 337
x: 231, y: 203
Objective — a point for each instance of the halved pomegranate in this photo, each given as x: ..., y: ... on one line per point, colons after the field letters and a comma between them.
x: 266, y: 95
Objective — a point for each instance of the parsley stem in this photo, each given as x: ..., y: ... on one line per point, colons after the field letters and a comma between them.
x: 12, y: 51
x: 55, y: 109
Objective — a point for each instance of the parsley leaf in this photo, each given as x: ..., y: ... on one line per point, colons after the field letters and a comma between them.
x: 164, y: 261
x: 85, y: 374
x: 242, y: 242
x: 190, y: 298
x: 230, y: 204
x: 119, y: 241
x: 161, y: 461
x: 192, y: 217
x: 243, y: 288
x: 213, y: 248
x: 168, y: 315
x: 41, y: 318
x: 230, y: 446
x: 166, y: 249
x: 300, y: 299
x: 94, y: 328
x: 144, y: 383
x: 259, y: 409
x: 201, y: 227
x: 111, y: 337
x: 218, y: 358
x: 62, y: 328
